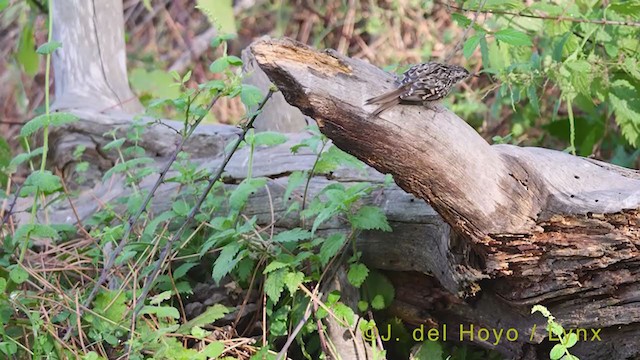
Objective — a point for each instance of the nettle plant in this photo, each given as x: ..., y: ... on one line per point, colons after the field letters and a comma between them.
x: 142, y: 313
x: 566, y: 66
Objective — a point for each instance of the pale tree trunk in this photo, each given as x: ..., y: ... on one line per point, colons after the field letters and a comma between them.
x: 90, y: 68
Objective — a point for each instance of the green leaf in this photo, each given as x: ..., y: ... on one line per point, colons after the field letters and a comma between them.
x: 274, y: 285
x: 40, y: 121
x: 219, y: 65
x: 533, y: 98
x: 18, y: 275
x: 111, y: 304
x: 293, y: 235
x: 559, y: 48
x: 557, y: 351
x: 274, y: 265
x: 161, y: 311
x: 226, y: 261
x: 44, y: 181
x: 181, y: 208
x: 344, y: 313
x: 296, y: 179
x: 241, y: 193
x: 570, y: 340
x: 220, y: 13
x: 430, y: 350
x: 209, y: 316
x: 26, y: 53
x: 269, y: 138
x: 213, y: 350
x: 462, y: 20
x: 626, y: 107
x: 3, y: 5
x: 370, y: 218
x: 330, y: 247
x: 114, y: 144
x: 158, y: 299
x: 380, y: 289
x: 48, y: 47
x: 357, y: 274
x: 484, y: 51
x: 183, y: 269
x: 292, y: 280
x: 470, y: 45
x: 250, y: 95
x: 234, y: 60
x: 513, y: 37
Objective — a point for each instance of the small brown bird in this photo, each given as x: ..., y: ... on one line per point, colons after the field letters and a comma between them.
x: 421, y: 84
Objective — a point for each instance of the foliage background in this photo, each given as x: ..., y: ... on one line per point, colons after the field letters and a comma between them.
x: 550, y: 73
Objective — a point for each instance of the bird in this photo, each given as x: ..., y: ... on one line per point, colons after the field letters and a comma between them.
x: 423, y: 83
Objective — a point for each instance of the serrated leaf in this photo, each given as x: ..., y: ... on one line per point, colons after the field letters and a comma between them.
x: 161, y: 311
x: 40, y: 121
x: 269, y: 138
x: 292, y: 280
x: 219, y: 65
x: 209, y: 316
x: 181, y: 208
x: 274, y: 265
x: 274, y: 285
x: 430, y: 350
x: 113, y: 144
x: 220, y: 13
x: 470, y: 45
x: 357, y: 274
x: 45, y: 181
x: 377, y: 286
x: 226, y: 261
x: 20, y: 158
x: 462, y: 20
x: 18, y: 275
x: 213, y: 350
x: 157, y: 299
x: 183, y: 269
x: 293, y: 235
x: 296, y: 179
x: 48, y: 47
x: 241, y: 193
x: 513, y: 37
x: 250, y: 95
x: 370, y: 218
x: 330, y: 247
x: 344, y: 313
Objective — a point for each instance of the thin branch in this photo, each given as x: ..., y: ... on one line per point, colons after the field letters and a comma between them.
x: 212, y: 180
x: 546, y: 17
x: 134, y: 217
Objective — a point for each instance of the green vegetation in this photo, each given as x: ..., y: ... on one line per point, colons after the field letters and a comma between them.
x: 562, y: 74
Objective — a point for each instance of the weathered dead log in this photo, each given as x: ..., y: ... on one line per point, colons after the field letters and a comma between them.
x: 529, y: 225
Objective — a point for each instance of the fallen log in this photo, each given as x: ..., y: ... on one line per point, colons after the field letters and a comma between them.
x: 528, y: 225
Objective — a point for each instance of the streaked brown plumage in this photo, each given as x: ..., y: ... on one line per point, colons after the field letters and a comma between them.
x: 421, y: 84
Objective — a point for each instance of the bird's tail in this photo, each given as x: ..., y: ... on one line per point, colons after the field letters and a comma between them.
x: 386, y: 100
